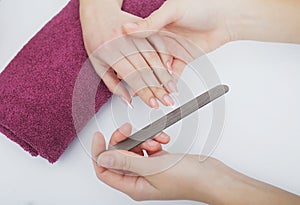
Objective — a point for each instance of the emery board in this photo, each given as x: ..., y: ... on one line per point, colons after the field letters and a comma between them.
x: 171, y: 118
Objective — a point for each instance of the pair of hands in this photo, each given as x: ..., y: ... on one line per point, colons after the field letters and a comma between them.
x: 150, y: 45
x: 208, y: 25
x: 150, y: 58
x: 146, y: 53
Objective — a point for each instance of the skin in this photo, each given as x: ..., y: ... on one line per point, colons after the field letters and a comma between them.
x: 211, y: 25
x: 115, y: 57
x: 164, y: 176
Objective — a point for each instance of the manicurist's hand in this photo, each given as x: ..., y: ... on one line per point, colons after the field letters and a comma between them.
x: 116, y: 57
x: 159, y: 176
x: 164, y: 176
x: 202, y: 22
x: 210, y: 24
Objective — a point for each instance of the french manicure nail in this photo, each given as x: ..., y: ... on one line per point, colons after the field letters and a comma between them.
x: 127, y: 103
x: 131, y: 25
x: 172, y: 87
x: 168, y: 100
x: 169, y: 68
x: 105, y: 161
x: 154, y: 103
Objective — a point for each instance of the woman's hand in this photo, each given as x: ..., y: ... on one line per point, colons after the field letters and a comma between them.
x: 163, y: 176
x: 115, y: 56
x: 210, y: 24
x: 202, y: 22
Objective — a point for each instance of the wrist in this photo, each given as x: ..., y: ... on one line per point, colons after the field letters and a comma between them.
x: 212, y: 181
x: 222, y: 185
x: 101, y: 4
x: 272, y: 20
x: 241, y: 18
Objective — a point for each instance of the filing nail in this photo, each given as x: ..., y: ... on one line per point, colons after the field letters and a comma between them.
x: 154, y: 103
x: 172, y: 87
x: 168, y: 100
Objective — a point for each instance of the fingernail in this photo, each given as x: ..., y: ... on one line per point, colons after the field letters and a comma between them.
x: 168, y: 100
x: 131, y: 25
x: 154, y: 103
x: 127, y: 103
x: 169, y: 68
x: 151, y: 143
x: 172, y: 87
x: 105, y: 161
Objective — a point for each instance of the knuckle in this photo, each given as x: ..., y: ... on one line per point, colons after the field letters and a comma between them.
x: 158, y: 91
x: 145, y: 93
x: 139, y: 63
x: 148, y: 21
x: 153, y: 58
x: 164, y: 76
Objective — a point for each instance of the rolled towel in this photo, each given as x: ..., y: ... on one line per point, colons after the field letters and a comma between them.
x: 37, y: 86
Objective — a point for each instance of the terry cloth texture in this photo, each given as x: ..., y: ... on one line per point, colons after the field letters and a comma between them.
x: 37, y: 86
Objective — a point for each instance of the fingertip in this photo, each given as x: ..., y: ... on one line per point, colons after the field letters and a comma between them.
x: 98, y: 147
x: 153, y: 103
x: 126, y: 129
x: 162, y: 138
x: 151, y: 146
x: 98, y: 139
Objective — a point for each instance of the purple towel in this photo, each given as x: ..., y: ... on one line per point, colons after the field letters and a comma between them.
x: 37, y: 86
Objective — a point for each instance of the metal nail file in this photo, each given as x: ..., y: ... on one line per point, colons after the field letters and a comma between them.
x: 171, y: 118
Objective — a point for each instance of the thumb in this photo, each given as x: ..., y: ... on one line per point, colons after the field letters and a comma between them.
x: 131, y: 162
x: 165, y: 15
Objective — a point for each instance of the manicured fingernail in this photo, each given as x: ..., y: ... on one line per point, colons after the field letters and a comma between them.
x: 168, y: 100
x: 131, y: 25
x: 127, y: 103
x: 151, y: 143
x: 172, y: 87
x: 154, y: 103
x: 169, y: 68
x: 162, y: 136
x: 105, y: 161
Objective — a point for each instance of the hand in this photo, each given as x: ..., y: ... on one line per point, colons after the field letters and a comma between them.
x: 210, y: 24
x: 202, y: 22
x: 136, y: 61
x: 164, y: 176
x: 160, y: 176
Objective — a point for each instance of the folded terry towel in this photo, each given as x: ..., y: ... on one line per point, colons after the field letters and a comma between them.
x: 37, y: 86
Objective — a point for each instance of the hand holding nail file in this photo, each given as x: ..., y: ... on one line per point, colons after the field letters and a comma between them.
x: 171, y: 118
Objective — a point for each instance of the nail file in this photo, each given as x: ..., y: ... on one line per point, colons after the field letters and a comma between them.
x: 171, y: 118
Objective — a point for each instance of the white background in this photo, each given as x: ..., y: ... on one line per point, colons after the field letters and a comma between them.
x: 261, y: 137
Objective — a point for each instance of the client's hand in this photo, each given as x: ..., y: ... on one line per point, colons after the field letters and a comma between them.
x: 116, y: 57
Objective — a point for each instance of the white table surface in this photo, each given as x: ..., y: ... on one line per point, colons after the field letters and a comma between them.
x: 261, y: 137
